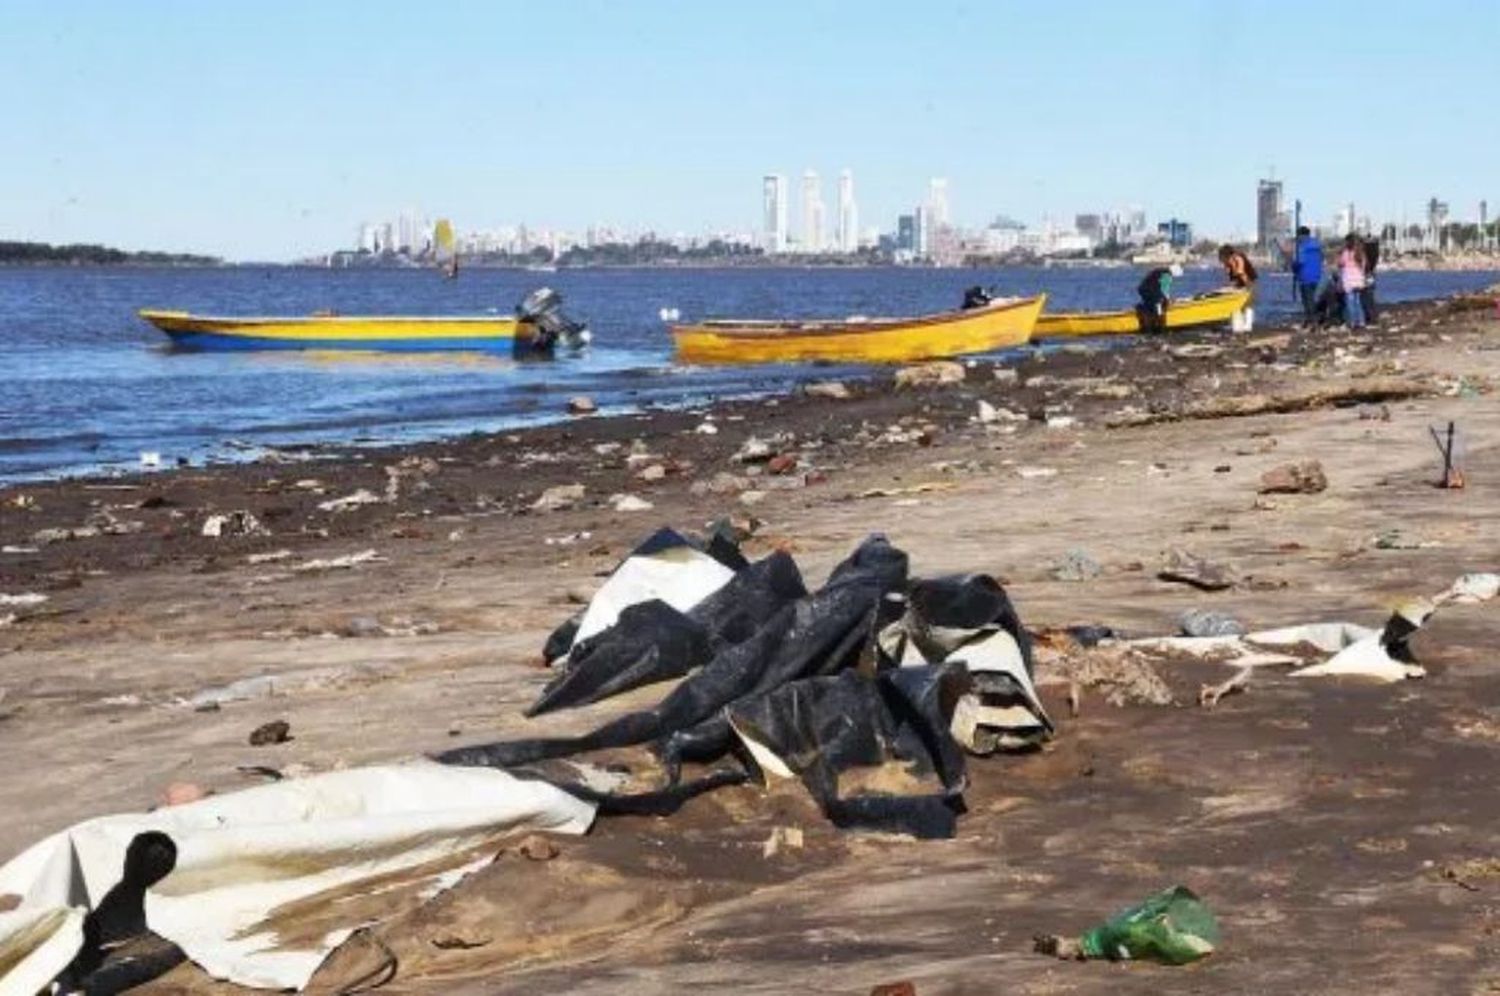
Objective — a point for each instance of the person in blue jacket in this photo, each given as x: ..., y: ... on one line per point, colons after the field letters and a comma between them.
x: 1307, y: 270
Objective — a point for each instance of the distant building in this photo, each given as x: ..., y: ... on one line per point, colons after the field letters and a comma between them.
x: 1178, y: 233
x: 906, y: 232
x: 1272, y: 224
x: 773, y: 205
x: 922, y: 242
x: 848, y: 214
x: 937, y: 201
x: 812, y: 212
x: 1091, y: 225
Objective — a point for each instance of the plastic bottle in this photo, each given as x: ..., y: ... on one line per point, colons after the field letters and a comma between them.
x: 1172, y: 927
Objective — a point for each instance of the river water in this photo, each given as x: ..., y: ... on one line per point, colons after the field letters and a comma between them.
x: 86, y: 386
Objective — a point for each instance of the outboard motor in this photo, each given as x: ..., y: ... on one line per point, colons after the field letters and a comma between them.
x: 976, y: 297
x: 542, y: 308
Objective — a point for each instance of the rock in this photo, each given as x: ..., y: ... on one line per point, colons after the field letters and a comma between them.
x: 630, y: 503
x: 180, y: 793
x: 1006, y: 375
x: 607, y: 449
x: 1204, y: 622
x: 277, y: 731
x: 582, y: 405
x: 363, y: 626
x: 987, y: 413
x: 1188, y: 568
x: 556, y: 499
x: 933, y: 374
x: 707, y: 429
x: 1061, y: 421
x: 1374, y: 413
x: 832, y: 389
x: 1076, y: 565
x: 236, y: 523
x: 652, y: 472
x: 535, y: 847
x: 643, y: 458
x: 782, y: 463
x: 1305, y: 478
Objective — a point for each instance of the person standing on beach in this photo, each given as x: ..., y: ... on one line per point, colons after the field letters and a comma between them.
x: 1307, y: 271
x: 1241, y: 273
x: 1352, y: 279
x: 1367, y: 295
x: 1155, y: 290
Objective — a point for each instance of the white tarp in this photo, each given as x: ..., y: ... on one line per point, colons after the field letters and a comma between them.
x: 681, y: 576
x: 244, y: 859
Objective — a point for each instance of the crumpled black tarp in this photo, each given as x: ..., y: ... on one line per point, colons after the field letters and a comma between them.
x: 651, y: 641
x: 852, y: 688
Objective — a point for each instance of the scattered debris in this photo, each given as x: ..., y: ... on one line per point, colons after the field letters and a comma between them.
x: 25, y: 600
x: 903, y: 988
x: 270, y: 557
x: 559, y: 498
x: 1035, y: 473
x: 1188, y: 568
x: 1209, y: 695
x: 1368, y: 390
x: 925, y: 487
x: 277, y: 731
x: 363, y: 496
x: 1197, y: 351
x: 344, y: 563
x: 535, y: 847
x: 722, y: 483
x: 781, y: 839
x: 652, y: 472
x: 1305, y: 478
x: 629, y: 503
x: 237, y: 523
x: 1076, y: 565
x: 936, y: 373
x: 180, y: 793
x: 1450, y: 446
x: 582, y: 405
x: 754, y: 450
x: 831, y: 389
x: 707, y: 429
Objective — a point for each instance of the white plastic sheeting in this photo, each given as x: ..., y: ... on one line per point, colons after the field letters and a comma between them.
x: 682, y: 576
x: 244, y: 859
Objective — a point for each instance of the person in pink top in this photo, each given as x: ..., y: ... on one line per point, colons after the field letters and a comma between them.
x: 1352, y: 279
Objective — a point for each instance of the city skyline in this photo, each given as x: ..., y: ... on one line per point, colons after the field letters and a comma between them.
x: 282, y: 143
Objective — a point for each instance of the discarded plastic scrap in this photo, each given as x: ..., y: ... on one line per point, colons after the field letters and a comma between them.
x: 1173, y: 927
x: 867, y: 689
x: 248, y: 879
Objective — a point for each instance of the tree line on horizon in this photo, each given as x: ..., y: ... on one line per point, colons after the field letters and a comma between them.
x: 80, y: 254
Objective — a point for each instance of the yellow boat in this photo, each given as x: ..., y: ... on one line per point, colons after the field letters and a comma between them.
x: 996, y: 325
x: 537, y: 326
x: 1206, y: 310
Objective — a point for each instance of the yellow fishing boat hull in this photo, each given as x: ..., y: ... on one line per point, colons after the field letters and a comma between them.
x: 343, y: 332
x: 998, y: 325
x: 1186, y: 313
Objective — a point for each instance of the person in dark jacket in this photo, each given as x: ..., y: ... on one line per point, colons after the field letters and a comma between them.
x: 1307, y: 271
x: 1367, y: 293
x: 1155, y: 290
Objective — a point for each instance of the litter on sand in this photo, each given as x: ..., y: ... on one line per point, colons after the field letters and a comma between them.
x: 379, y: 839
x: 1173, y: 927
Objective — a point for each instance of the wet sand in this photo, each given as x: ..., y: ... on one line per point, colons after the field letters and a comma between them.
x: 1317, y: 818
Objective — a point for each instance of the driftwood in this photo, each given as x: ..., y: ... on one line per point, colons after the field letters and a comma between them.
x: 1367, y: 391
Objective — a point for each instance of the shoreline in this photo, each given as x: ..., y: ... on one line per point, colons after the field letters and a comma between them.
x: 410, y: 620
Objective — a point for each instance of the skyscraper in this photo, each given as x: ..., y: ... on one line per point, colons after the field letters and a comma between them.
x: 923, y: 225
x: 1270, y: 220
x: 848, y: 214
x: 773, y: 201
x: 937, y: 201
x: 812, y: 212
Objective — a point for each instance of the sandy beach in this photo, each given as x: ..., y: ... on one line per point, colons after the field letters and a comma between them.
x: 399, y: 598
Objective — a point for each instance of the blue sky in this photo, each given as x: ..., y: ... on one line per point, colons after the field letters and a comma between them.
x: 269, y: 129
